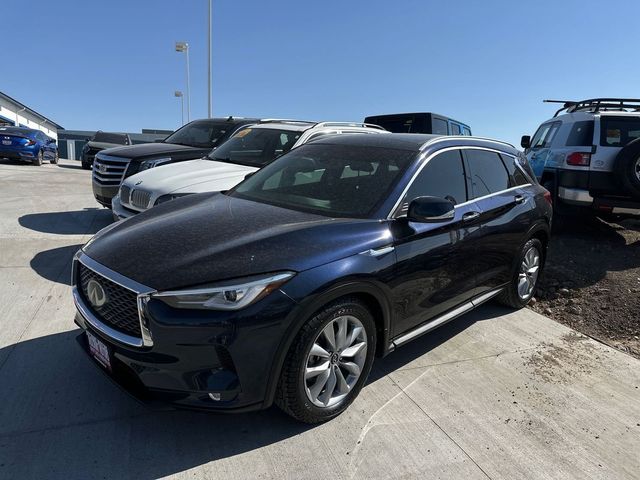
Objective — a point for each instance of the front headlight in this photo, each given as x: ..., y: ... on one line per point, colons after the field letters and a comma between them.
x: 230, y: 296
x: 154, y: 162
x: 171, y: 196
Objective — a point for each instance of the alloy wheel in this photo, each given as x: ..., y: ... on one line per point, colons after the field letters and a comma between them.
x: 335, y: 361
x: 528, y: 275
x: 637, y: 168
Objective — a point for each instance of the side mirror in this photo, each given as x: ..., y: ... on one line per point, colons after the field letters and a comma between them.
x: 430, y: 209
x: 525, y: 142
x: 51, y: 140
x: 248, y: 175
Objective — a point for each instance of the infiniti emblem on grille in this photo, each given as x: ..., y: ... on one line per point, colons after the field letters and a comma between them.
x: 96, y: 294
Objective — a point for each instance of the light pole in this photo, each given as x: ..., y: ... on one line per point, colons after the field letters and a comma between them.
x: 184, y: 47
x: 178, y: 94
x: 209, y: 44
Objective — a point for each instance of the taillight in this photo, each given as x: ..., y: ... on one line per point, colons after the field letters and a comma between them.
x: 547, y: 197
x: 580, y: 159
x: 30, y: 142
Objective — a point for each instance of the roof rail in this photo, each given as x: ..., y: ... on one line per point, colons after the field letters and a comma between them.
x: 349, y: 124
x: 286, y: 120
x: 597, y: 104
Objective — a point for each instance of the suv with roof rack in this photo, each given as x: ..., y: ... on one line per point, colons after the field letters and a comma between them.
x: 588, y: 156
x: 250, y: 149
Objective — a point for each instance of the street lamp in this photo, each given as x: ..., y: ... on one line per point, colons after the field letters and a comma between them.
x: 209, y: 45
x: 184, y: 47
x: 178, y: 94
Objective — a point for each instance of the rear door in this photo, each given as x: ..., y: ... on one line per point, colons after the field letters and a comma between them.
x: 433, y: 259
x: 540, y: 151
x: 499, y: 188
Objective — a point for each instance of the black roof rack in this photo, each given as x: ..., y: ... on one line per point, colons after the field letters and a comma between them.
x: 597, y: 104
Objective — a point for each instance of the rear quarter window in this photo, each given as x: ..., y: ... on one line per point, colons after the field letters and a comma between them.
x: 581, y: 134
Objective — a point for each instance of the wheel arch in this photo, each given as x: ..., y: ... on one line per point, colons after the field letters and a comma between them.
x: 368, y: 292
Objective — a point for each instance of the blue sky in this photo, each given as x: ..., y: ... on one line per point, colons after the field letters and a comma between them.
x: 111, y: 65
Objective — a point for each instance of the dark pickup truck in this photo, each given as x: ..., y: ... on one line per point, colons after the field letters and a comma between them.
x: 194, y: 140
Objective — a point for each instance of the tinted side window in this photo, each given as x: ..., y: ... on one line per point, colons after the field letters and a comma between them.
x: 455, y: 129
x: 581, y: 134
x: 545, y: 134
x: 487, y: 172
x: 442, y: 177
x: 618, y: 131
x: 516, y: 177
x: 439, y: 127
x: 466, y: 131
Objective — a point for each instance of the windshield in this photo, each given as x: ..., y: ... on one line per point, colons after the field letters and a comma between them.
x: 330, y: 180
x: 618, y: 131
x: 202, y: 134
x: 256, y: 147
x: 105, y: 137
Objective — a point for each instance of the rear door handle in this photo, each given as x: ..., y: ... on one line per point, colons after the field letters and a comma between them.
x: 519, y: 199
x: 469, y: 216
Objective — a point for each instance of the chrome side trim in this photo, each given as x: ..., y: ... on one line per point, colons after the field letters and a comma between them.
x: 378, y: 252
x: 444, y: 318
x: 425, y: 160
x: 142, y: 291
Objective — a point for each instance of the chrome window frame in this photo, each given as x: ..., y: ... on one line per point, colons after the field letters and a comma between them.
x: 426, y: 157
x: 142, y: 292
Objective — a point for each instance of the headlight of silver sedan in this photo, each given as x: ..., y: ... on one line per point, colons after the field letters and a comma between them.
x: 226, y: 296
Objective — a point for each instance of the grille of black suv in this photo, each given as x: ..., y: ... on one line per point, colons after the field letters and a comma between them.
x: 109, y: 170
x: 120, y: 310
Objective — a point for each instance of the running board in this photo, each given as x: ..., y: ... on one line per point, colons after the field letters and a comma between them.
x: 444, y: 318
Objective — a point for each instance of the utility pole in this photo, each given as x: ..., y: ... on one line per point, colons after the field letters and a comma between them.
x: 209, y: 49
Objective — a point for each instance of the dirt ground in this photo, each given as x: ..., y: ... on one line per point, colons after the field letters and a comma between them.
x: 591, y: 281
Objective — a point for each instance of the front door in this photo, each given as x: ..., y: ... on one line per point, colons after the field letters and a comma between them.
x: 434, y: 271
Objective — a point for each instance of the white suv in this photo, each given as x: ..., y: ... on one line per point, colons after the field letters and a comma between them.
x: 588, y: 155
x: 250, y: 149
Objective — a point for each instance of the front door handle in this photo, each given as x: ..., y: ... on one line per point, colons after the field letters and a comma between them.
x: 519, y: 199
x: 469, y: 216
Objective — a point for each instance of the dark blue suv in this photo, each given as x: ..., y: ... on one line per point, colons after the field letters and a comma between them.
x: 285, y: 288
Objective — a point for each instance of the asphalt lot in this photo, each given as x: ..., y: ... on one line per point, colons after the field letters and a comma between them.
x: 494, y: 394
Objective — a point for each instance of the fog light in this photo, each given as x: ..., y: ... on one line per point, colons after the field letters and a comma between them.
x: 215, y: 396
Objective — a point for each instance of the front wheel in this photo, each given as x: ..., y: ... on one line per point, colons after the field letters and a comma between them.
x: 328, y: 362
x: 55, y: 158
x: 524, y: 279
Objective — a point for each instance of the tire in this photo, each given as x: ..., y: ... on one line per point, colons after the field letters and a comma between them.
x: 511, y: 296
x: 627, y: 168
x: 295, y: 395
x: 85, y: 165
x: 55, y: 159
x: 39, y: 159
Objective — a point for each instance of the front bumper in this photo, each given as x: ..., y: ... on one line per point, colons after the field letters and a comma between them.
x: 104, y: 193
x: 120, y: 212
x: 197, y: 359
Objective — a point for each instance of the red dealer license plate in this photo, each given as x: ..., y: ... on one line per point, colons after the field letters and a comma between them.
x: 99, y: 351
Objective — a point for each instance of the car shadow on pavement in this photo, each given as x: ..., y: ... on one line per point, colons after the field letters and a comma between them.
x: 78, y: 222
x: 56, y: 401
x: 72, y: 166
x: 55, y: 264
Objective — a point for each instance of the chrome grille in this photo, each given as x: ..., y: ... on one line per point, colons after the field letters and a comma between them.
x: 120, y: 310
x: 125, y: 194
x: 140, y: 199
x: 109, y: 170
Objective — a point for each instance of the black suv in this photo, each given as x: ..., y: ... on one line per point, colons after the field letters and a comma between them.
x: 285, y: 288
x: 101, y: 141
x: 194, y: 140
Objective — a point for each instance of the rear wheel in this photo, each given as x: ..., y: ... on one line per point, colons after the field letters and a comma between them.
x: 627, y: 168
x: 328, y: 362
x: 39, y: 159
x: 524, y: 278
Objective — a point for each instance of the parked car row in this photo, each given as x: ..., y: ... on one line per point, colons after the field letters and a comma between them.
x: 309, y: 253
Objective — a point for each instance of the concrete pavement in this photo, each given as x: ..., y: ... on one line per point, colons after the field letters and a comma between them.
x: 494, y: 394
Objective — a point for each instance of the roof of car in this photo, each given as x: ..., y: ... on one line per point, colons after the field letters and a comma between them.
x: 415, y: 141
x: 12, y: 128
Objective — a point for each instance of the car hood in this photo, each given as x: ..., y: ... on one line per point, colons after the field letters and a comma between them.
x: 209, y: 237
x: 181, y: 176
x: 103, y: 145
x: 156, y: 149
